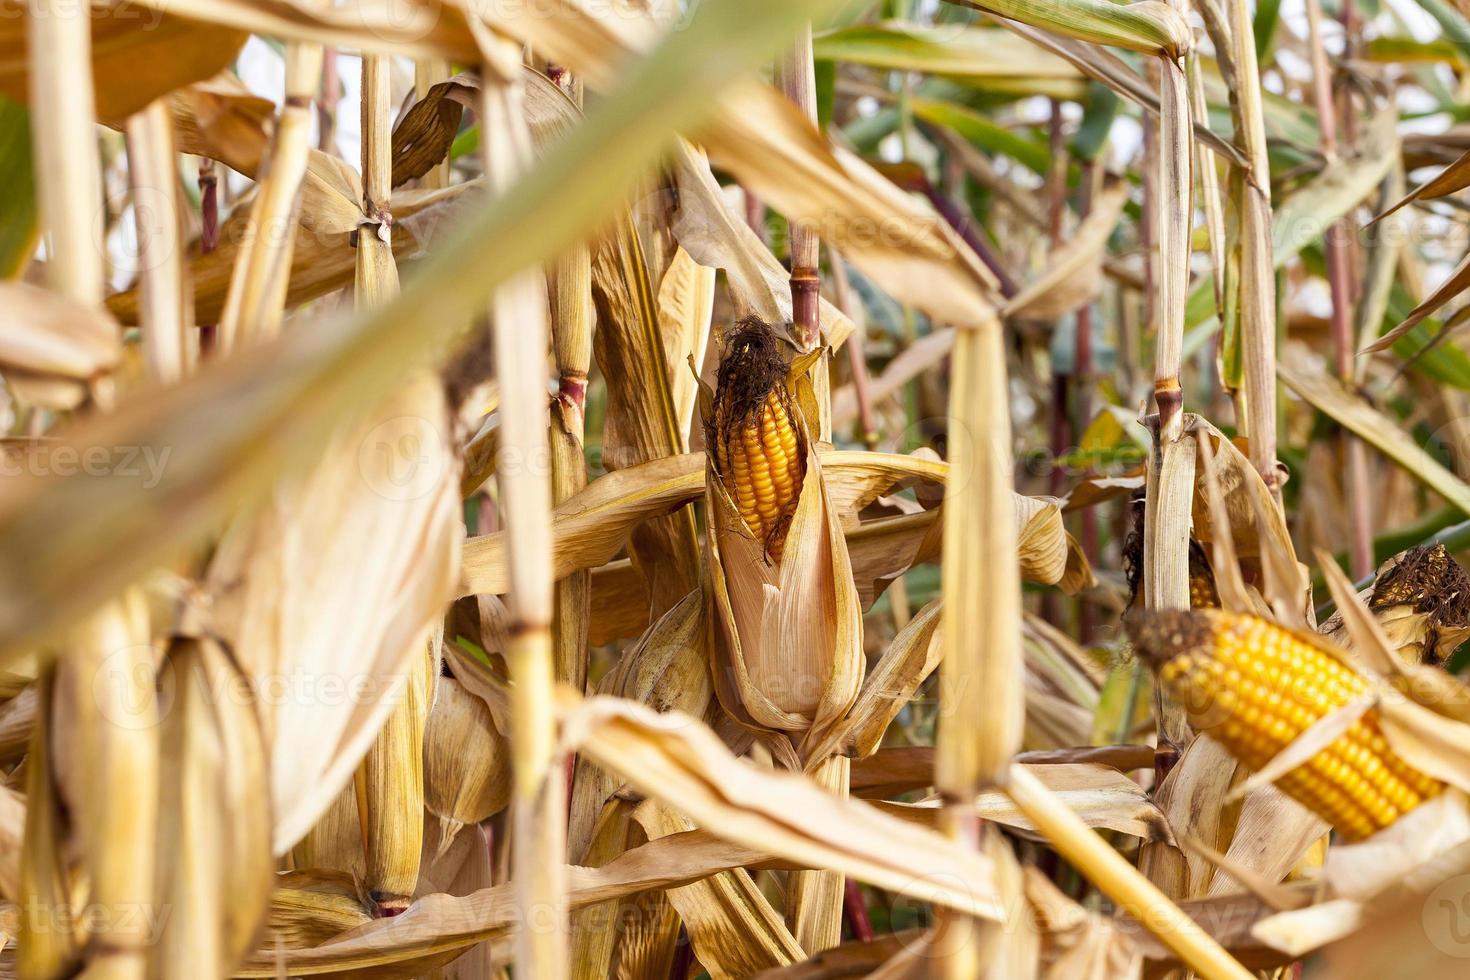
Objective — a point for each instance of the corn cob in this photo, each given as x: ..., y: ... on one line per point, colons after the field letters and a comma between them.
x: 1255, y: 687
x: 755, y: 436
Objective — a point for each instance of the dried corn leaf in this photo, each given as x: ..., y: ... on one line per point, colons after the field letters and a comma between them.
x: 734, y: 930
x: 899, y: 243
x: 715, y: 236
x: 373, y: 528
x: 438, y: 926
x: 1100, y: 795
x: 138, y: 55
x: 1353, y: 413
x: 310, y: 907
x: 52, y: 348
x: 592, y: 526
x: 686, y: 298
x: 678, y: 761
x: 1073, y: 273
x: 214, y: 831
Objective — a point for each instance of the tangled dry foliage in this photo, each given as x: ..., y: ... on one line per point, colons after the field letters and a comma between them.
x: 370, y: 607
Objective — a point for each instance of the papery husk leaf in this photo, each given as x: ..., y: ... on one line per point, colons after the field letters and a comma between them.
x: 789, y: 633
x: 1238, y: 483
x: 292, y: 586
x: 667, y: 669
x: 137, y: 55
x: 334, y: 844
x: 714, y: 236
x: 734, y: 930
x: 312, y: 906
x: 686, y: 299
x: 214, y: 831
x: 1100, y: 795
x: 50, y: 336
x: 390, y: 790
x: 675, y: 759
x: 466, y: 760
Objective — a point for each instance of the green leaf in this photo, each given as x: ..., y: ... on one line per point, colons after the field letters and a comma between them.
x: 985, y: 134
x: 1004, y: 62
x: 19, y: 222
x: 1268, y: 15
x: 1150, y: 28
x: 1097, y: 121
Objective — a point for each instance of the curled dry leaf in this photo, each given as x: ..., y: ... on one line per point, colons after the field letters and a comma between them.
x: 52, y: 348
x: 215, y: 824
x: 591, y: 527
x: 677, y: 760
x: 714, y: 236
x: 1073, y: 272
x: 466, y: 761
x: 335, y: 587
x: 138, y: 55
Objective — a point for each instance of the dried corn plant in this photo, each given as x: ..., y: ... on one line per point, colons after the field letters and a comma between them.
x: 671, y: 490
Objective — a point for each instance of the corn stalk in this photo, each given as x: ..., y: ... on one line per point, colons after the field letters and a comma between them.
x: 519, y: 321
x: 981, y: 704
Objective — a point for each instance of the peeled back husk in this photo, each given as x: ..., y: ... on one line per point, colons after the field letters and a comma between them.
x: 789, y: 649
x: 466, y: 761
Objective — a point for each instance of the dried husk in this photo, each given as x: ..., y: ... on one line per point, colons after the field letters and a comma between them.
x: 734, y: 929
x: 390, y: 790
x: 310, y: 907
x: 667, y: 669
x: 52, y: 349
x: 49, y: 941
x: 334, y: 843
x: 214, y: 873
x: 328, y: 594
x: 1421, y: 599
x: 466, y: 761
x: 789, y: 631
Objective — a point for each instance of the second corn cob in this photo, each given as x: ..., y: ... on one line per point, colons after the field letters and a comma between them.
x: 1255, y: 687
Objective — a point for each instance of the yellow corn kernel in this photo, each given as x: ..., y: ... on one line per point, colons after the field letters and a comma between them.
x: 761, y: 467
x: 754, y: 433
x: 1255, y: 687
